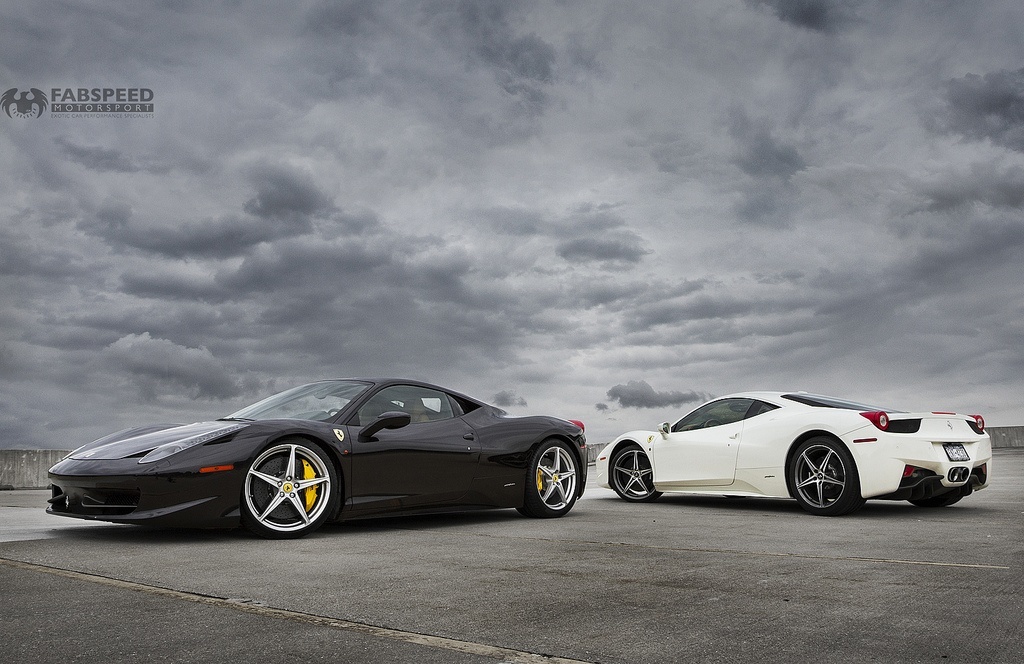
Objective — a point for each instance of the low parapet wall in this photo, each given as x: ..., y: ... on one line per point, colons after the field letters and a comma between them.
x: 26, y: 469
x: 1006, y: 436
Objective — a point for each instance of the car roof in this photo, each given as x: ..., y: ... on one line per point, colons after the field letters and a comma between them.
x: 384, y: 382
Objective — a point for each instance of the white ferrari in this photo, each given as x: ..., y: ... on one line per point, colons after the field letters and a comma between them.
x: 831, y: 455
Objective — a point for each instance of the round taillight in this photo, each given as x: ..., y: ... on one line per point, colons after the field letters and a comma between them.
x: 878, y: 418
x: 579, y: 424
x: 980, y: 421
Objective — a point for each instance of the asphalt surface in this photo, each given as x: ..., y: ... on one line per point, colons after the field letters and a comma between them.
x: 694, y: 579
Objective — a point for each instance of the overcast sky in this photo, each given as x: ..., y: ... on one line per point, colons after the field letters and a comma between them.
x: 605, y: 211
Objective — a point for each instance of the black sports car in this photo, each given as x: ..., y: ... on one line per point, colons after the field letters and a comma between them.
x: 330, y: 450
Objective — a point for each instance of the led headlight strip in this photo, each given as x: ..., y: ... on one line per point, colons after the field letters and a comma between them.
x: 168, y: 449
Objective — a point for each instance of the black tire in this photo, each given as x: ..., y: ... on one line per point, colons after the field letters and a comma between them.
x: 290, y: 490
x: 823, y: 478
x: 551, y: 482
x: 631, y: 475
x: 945, y: 500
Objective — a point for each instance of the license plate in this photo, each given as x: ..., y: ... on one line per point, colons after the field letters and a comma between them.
x: 956, y: 452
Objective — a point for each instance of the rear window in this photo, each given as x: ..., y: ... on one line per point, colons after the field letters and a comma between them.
x: 819, y: 401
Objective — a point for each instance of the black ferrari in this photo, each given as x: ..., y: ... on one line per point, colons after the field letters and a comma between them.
x: 329, y: 450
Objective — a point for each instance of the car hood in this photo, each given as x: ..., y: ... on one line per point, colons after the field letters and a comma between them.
x: 142, y: 440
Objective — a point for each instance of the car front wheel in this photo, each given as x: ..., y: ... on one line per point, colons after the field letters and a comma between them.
x: 823, y: 478
x: 290, y: 490
x: 632, y: 476
x: 552, y: 481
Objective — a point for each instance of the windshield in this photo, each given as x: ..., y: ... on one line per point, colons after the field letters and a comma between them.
x: 316, y: 401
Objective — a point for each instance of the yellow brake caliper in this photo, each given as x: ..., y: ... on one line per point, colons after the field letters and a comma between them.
x: 540, y: 481
x: 307, y: 474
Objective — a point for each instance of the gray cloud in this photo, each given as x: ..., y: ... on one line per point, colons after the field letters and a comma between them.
x: 826, y: 16
x: 559, y: 195
x: 98, y: 159
x: 283, y: 192
x: 508, y: 399
x: 989, y: 106
x: 157, y: 365
x: 639, y: 394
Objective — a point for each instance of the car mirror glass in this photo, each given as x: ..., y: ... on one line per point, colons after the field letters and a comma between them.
x: 664, y: 428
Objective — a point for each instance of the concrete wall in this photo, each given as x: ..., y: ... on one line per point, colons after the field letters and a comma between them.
x: 26, y: 469
x: 1007, y: 436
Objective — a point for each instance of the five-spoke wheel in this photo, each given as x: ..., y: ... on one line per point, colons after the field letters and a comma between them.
x: 823, y: 478
x: 631, y: 475
x: 552, y: 488
x: 289, y: 491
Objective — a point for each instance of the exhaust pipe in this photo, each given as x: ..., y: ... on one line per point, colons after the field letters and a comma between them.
x: 959, y: 474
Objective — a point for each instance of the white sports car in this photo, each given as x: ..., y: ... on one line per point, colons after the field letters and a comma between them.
x: 829, y: 454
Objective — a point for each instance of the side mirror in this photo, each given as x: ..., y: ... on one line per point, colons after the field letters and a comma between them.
x: 664, y: 428
x: 393, y: 419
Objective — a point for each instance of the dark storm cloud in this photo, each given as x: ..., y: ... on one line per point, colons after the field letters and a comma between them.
x: 232, y: 235
x: 98, y: 159
x: 986, y: 184
x: 761, y: 155
x: 639, y: 394
x: 159, y: 365
x: 826, y: 16
x: 611, y: 247
x: 599, y: 235
x: 461, y: 190
x: 771, y: 163
x: 285, y: 205
x: 989, y: 106
x: 169, y: 284
x: 522, y: 64
x: 283, y: 192
x: 508, y: 399
x: 348, y: 17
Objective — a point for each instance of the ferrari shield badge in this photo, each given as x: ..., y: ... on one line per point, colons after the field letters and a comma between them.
x: 340, y: 434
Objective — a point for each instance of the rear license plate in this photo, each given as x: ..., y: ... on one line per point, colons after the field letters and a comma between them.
x: 956, y: 452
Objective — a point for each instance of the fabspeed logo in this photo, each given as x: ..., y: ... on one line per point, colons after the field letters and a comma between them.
x: 25, y: 104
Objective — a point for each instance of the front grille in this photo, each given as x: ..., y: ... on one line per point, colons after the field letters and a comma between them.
x: 98, y: 502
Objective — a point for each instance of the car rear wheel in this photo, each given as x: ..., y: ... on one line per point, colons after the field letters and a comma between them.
x: 632, y: 476
x: 290, y: 490
x: 552, y: 481
x: 823, y: 478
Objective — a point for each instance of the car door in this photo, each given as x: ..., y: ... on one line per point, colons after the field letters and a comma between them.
x: 431, y: 461
x: 701, y: 448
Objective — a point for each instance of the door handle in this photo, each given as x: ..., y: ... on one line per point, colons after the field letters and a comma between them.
x: 468, y: 436
x: 734, y: 436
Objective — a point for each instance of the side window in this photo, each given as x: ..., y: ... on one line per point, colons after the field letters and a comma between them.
x: 715, y: 414
x: 422, y: 404
x: 758, y: 408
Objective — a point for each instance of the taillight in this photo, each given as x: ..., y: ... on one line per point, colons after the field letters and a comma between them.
x: 579, y: 424
x: 908, y: 470
x: 980, y: 422
x: 878, y: 418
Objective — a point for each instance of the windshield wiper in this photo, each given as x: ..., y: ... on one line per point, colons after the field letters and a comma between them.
x: 235, y: 419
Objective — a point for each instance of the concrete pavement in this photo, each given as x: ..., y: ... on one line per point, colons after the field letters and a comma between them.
x: 696, y: 579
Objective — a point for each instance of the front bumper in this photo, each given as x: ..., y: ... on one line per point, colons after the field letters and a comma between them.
x: 190, y: 500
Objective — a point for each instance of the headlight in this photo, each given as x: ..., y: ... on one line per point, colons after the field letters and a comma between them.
x: 168, y: 449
